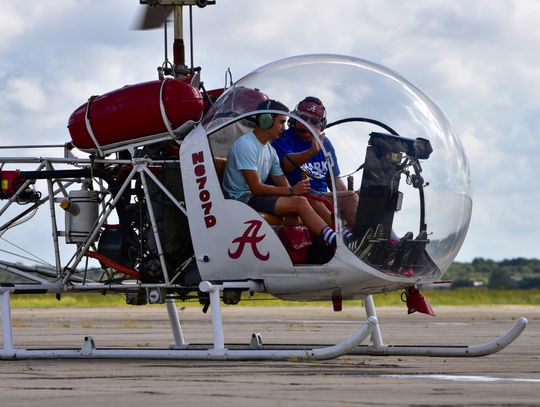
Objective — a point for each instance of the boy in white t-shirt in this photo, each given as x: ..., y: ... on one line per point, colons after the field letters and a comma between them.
x: 252, y: 159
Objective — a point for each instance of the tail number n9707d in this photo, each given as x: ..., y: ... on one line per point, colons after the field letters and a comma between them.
x: 199, y: 170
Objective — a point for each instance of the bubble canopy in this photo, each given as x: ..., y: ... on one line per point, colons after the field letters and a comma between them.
x: 372, y: 112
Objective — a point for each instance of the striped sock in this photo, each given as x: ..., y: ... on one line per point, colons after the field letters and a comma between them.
x: 346, y: 233
x: 329, y: 236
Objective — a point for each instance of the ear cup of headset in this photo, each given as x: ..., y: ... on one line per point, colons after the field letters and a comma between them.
x: 266, y: 120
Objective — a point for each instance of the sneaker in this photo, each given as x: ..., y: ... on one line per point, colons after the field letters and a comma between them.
x: 351, y: 242
x: 406, y: 236
x: 379, y: 231
x: 422, y: 235
x: 364, y: 243
x: 408, y: 273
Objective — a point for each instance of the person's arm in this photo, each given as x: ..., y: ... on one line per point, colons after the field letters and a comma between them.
x: 258, y: 188
x: 340, y: 185
x: 295, y: 160
x: 292, y: 161
x: 280, y: 180
x: 281, y: 188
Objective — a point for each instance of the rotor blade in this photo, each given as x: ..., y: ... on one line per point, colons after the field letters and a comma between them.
x: 150, y: 18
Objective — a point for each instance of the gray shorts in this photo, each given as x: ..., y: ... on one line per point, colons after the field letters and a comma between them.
x: 263, y: 203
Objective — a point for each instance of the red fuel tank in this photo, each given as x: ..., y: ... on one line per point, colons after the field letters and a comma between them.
x: 134, y: 112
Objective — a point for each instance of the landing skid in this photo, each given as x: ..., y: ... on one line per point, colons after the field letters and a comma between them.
x: 256, y: 350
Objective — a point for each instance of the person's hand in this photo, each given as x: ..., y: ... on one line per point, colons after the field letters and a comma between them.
x: 302, y: 187
x: 315, y: 146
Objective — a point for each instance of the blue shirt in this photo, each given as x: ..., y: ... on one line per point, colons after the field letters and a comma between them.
x: 248, y: 153
x: 290, y: 143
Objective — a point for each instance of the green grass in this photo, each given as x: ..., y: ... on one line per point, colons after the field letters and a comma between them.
x: 67, y: 301
x: 470, y: 296
x: 458, y: 297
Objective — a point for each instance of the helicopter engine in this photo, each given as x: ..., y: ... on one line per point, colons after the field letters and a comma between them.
x: 132, y: 242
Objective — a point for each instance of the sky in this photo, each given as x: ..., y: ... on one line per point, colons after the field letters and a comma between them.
x: 478, y: 60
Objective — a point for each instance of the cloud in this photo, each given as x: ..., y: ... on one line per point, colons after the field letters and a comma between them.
x: 524, y: 19
x: 12, y: 24
x: 26, y: 93
x: 28, y: 18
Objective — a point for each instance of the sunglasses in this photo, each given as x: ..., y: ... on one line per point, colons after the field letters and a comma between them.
x: 313, y: 120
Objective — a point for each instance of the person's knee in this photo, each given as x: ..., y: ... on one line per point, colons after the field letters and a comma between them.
x: 300, y: 201
x: 302, y: 205
x: 292, y: 205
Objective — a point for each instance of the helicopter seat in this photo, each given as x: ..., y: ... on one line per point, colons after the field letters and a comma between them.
x: 274, y: 220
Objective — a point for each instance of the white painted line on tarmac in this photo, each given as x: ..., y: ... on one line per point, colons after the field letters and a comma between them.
x: 459, y: 378
x: 293, y: 321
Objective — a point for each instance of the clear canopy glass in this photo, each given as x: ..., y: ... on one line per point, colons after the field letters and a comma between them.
x: 395, y: 149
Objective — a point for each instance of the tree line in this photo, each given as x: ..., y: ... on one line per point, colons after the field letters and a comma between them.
x: 518, y: 273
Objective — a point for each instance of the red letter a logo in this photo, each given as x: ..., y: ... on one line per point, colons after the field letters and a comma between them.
x: 250, y: 236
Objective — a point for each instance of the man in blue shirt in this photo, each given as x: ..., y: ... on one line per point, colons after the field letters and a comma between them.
x: 299, y: 152
x: 252, y: 160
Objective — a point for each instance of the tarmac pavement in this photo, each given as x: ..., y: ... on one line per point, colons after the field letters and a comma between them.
x: 508, y: 378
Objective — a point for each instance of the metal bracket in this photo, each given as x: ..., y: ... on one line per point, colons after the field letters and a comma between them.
x: 88, y: 346
x: 256, y: 341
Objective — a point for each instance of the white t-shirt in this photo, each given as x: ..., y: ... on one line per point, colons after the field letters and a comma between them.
x: 248, y: 153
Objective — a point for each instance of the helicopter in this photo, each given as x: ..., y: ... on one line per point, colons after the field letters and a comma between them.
x: 146, y: 202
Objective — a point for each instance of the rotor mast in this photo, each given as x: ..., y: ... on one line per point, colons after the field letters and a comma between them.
x: 179, y: 57
x: 180, y: 68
